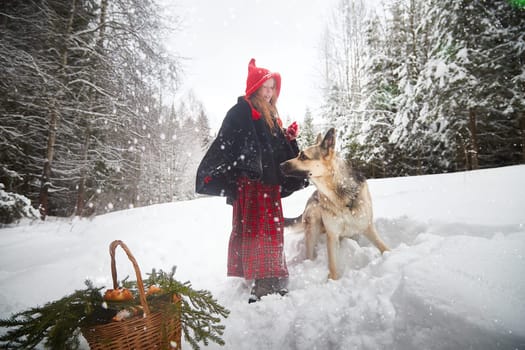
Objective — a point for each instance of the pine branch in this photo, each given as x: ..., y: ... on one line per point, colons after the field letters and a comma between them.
x: 199, y: 312
x: 56, y: 324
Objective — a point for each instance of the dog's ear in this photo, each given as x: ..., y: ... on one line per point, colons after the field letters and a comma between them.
x: 319, y: 139
x: 329, y: 140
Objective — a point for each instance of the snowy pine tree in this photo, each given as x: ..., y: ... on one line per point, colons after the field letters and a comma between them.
x: 442, y: 86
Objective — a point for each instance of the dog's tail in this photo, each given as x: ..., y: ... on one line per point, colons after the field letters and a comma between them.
x: 294, y: 224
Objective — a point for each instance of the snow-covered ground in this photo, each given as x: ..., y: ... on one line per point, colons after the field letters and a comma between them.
x: 455, y: 278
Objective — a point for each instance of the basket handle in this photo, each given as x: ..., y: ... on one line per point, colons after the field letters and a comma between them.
x: 140, y: 284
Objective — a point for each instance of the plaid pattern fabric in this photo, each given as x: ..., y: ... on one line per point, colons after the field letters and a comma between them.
x: 256, y: 243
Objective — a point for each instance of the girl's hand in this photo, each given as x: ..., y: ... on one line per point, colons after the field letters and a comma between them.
x: 292, y: 131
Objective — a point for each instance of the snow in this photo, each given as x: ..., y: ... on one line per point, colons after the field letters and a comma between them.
x: 455, y: 278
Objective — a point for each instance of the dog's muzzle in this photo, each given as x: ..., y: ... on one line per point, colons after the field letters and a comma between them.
x: 288, y: 170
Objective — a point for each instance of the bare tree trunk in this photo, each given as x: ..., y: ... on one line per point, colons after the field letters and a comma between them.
x: 474, y: 139
x: 53, y: 125
x: 81, y: 193
x: 68, y: 33
x: 521, y: 116
x: 466, y: 154
x: 102, y: 31
x: 50, y: 152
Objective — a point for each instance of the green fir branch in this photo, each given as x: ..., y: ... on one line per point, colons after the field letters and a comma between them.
x: 56, y: 325
x: 199, y: 312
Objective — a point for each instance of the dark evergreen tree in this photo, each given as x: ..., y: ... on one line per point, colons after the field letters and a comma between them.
x: 78, y: 94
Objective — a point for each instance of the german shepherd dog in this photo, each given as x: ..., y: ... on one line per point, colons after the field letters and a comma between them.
x: 340, y: 207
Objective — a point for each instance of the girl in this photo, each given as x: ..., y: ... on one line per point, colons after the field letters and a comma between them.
x: 242, y: 164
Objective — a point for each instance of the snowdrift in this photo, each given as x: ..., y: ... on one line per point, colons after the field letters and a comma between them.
x: 455, y: 278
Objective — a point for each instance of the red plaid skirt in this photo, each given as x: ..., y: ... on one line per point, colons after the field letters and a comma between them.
x: 256, y: 242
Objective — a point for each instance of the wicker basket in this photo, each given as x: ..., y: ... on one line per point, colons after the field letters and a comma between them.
x: 153, y: 330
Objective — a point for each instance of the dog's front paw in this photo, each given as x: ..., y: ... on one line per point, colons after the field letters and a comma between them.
x: 333, y: 276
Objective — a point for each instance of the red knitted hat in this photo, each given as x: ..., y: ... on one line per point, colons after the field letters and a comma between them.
x: 257, y: 76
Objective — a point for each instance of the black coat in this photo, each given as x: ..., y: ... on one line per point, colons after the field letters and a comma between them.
x: 246, y: 147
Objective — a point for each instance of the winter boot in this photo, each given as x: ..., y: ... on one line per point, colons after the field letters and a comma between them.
x: 281, y: 286
x: 265, y: 286
x: 261, y: 287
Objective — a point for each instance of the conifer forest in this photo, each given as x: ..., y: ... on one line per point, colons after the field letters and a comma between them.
x: 87, y: 124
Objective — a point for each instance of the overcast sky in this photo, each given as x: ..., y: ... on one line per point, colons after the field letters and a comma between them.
x: 220, y: 37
